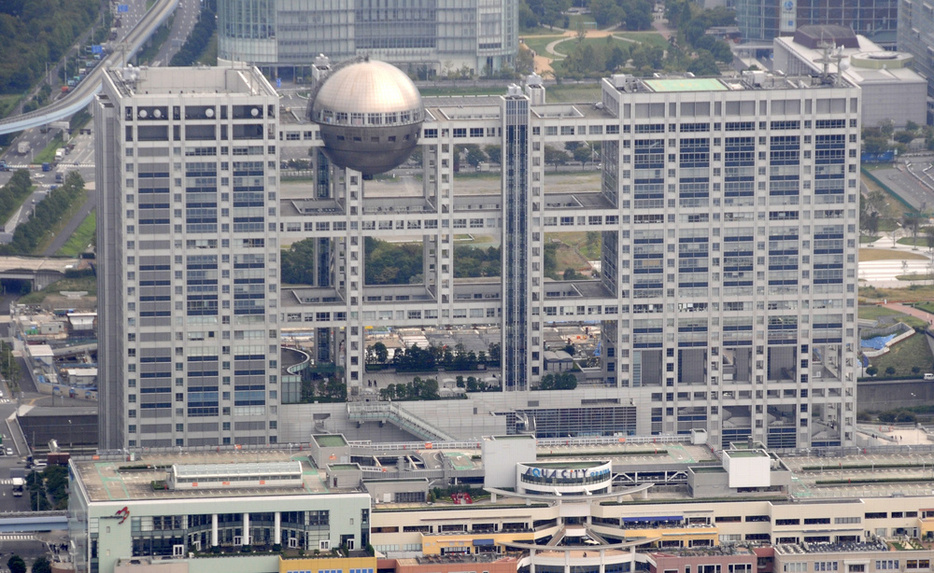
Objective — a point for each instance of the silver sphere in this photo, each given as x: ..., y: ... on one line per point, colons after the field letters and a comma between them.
x: 370, y: 114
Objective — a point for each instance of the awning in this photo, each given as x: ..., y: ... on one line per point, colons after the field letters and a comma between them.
x: 653, y: 518
x: 482, y: 542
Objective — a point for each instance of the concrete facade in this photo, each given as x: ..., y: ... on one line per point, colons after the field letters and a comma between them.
x: 187, y: 168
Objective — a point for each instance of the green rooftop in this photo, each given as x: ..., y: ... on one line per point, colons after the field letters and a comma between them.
x: 686, y: 85
x: 343, y: 467
x: 746, y: 454
x: 331, y: 440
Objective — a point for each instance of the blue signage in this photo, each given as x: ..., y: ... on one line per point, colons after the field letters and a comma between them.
x: 123, y: 8
x: 97, y: 49
x: 567, y: 474
x: 278, y: 82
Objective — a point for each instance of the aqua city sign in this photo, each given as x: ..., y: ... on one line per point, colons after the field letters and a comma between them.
x: 567, y: 474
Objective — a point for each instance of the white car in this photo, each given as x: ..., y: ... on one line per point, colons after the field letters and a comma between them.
x: 9, y: 451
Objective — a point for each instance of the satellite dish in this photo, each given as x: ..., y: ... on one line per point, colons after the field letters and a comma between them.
x: 143, y: 114
x: 209, y: 112
x: 157, y: 113
x: 254, y: 112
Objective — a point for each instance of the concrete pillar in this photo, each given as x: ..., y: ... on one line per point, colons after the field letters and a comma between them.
x: 277, y: 531
x: 245, y: 537
x: 214, y: 530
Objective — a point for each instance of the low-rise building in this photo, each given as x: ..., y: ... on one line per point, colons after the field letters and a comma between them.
x: 567, y: 506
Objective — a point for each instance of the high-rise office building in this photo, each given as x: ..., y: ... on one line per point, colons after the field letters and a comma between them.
x: 188, y: 257
x: 726, y: 292
x: 916, y: 36
x: 424, y: 38
x: 763, y: 20
x: 725, y: 296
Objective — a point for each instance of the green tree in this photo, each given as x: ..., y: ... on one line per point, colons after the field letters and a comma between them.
x: 525, y: 61
x: 875, y: 145
x: 475, y: 155
x: 16, y: 564
x: 495, y: 153
x: 887, y: 127
x: 583, y: 154
x: 912, y: 222
x: 615, y: 59
x: 638, y: 14
x: 704, y: 65
x: 606, y: 13
x: 556, y: 157
x: 41, y: 565
x: 298, y: 263
x: 929, y: 237
x: 904, y: 137
x: 381, y: 352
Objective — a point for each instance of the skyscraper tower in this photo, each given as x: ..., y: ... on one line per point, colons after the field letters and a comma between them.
x: 188, y: 257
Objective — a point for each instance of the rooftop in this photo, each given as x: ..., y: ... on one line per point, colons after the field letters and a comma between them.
x: 686, y: 85
x: 201, y: 80
x: 114, y: 480
x: 330, y: 440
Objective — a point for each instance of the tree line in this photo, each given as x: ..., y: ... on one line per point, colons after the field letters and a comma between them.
x: 417, y: 389
x: 14, y: 192
x: 415, y: 359
x: 33, y: 32
x: 691, y: 49
x: 200, y: 36
x: 45, y: 217
x: 390, y: 263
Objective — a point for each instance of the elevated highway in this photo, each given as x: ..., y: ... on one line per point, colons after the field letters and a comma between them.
x: 84, y: 92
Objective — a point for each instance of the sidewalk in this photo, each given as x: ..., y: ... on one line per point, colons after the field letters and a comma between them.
x: 883, y: 273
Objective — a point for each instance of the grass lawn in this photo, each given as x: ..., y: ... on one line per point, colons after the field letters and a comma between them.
x: 908, y: 294
x: 88, y: 284
x: 7, y: 103
x: 650, y: 38
x: 914, y: 277
x: 914, y: 241
x: 573, y: 251
x: 925, y: 306
x: 875, y: 166
x: 81, y: 238
x: 454, y: 90
x: 538, y: 43
x: 867, y: 239
x: 76, y: 204
x: 571, y: 44
x: 887, y: 255
x: 873, y: 312
x: 911, y: 352
x: 47, y: 155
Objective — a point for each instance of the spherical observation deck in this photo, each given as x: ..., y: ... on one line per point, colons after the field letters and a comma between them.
x: 370, y: 114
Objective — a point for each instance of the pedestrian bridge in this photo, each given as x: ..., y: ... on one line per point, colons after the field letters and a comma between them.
x: 33, y: 521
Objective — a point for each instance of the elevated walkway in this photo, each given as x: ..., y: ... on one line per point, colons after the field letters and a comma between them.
x: 33, y: 521
x: 398, y: 416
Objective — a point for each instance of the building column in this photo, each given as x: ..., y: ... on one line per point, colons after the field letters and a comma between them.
x: 245, y: 536
x: 214, y: 530
x: 515, y: 241
x: 354, y: 254
x: 277, y: 531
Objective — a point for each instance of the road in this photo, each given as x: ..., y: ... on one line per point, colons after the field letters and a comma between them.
x: 82, y: 95
x: 186, y: 16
